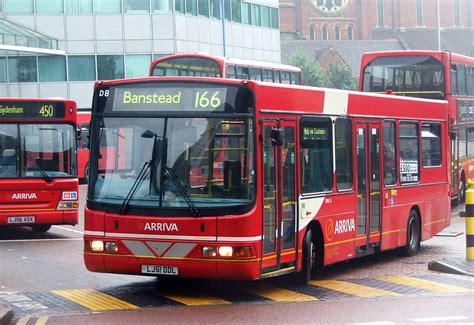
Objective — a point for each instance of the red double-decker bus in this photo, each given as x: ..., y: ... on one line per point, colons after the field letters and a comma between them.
x: 204, y: 65
x: 83, y: 124
x: 38, y: 177
x: 310, y: 177
x: 436, y: 75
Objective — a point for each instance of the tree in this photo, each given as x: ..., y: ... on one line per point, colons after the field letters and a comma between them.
x: 340, y: 77
x: 313, y: 75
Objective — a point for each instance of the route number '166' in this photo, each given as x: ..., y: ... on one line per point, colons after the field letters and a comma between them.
x: 206, y: 100
x: 47, y: 111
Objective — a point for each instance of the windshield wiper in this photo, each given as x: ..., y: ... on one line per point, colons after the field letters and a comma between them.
x: 172, y: 176
x: 140, y: 178
x: 37, y: 167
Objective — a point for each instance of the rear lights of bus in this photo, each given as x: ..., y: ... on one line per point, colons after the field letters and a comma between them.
x: 226, y: 251
x: 68, y: 205
x: 99, y: 246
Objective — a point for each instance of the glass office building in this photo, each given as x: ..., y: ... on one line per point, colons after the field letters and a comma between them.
x: 58, y: 48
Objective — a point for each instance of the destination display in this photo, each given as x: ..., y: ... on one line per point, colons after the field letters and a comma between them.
x: 174, y: 99
x: 315, y: 133
x: 31, y: 110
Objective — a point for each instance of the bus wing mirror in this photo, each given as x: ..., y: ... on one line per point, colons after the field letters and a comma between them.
x: 78, y: 134
x: 276, y: 137
x: 452, y: 133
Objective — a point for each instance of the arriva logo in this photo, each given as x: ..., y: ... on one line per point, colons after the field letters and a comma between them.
x: 24, y: 196
x: 158, y: 226
x: 345, y: 225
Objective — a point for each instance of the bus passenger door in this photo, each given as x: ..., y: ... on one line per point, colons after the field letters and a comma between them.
x: 279, y: 196
x: 368, y: 187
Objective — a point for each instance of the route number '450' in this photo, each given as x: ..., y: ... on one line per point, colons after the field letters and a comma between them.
x: 47, y: 111
x: 207, y: 100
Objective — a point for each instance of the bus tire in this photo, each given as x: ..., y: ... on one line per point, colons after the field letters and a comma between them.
x: 309, y: 259
x: 41, y: 228
x: 413, y: 234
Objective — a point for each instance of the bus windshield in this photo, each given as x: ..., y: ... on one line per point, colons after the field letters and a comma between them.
x: 182, y: 163
x: 415, y: 76
x: 190, y: 66
x: 37, y: 150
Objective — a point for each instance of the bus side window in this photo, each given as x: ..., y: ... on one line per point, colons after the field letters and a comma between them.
x: 470, y: 81
x: 431, y: 144
x: 267, y: 75
x: 461, y: 80
x: 409, y: 141
x: 295, y: 78
x: 285, y: 77
x: 256, y: 74
x: 243, y: 73
x: 316, y: 155
x: 276, y: 75
x: 231, y: 73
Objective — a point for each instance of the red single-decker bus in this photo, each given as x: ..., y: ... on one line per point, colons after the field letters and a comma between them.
x: 310, y: 177
x: 38, y: 178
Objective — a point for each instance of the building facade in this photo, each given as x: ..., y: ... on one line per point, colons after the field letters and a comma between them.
x: 91, y: 40
x: 413, y: 22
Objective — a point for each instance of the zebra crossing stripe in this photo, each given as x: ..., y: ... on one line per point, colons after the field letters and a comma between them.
x: 352, y: 288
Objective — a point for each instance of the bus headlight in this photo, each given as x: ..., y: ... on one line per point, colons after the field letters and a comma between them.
x: 226, y: 251
x: 97, y: 245
x: 111, y: 246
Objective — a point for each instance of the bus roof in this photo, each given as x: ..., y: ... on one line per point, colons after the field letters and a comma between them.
x: 369, y: 56
x: 227, y: 60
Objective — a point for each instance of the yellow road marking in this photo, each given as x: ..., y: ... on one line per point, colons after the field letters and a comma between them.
x: 42, y: 320
x: 23, y: 320
x: 278, y: 294
x: 424, y: 284
x: 352, y: 288
x: 194, y: 299
x: 94, y: 300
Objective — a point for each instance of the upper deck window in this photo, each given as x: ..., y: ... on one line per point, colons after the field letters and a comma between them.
x: 415, y: 76
x: 192, y: 67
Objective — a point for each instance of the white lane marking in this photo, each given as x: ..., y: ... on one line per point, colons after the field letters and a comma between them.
x: 438, y: 319
x: 68, y: 229
x: 38, y: 240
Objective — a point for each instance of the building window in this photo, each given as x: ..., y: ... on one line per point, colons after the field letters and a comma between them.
x: 419, y: 12
x: 337, y: 32
x: 246, y: 13
x: 78, y: 6
x: 162, y: 5
x: 107, y: 6
x: 266, y: 16
x: 215, y: 9
x: 350, y: 32
x: 49, y: 6
x: 110, y: 67
x: 22, y: 69
x: 18, y: 6
x: 179, y: 6
x: 227, y: 10
x: 237, y: 11
x: 275, y: 19
x: 380, y: 14
x: 325, y: 32
x: 3, y: 70
x: 191, y: 7
x: 81, y: 68
x: 256, y: 17
x: 312, y: 32
x: 137, y: 65
x: 457, y: 13
x: 203, y: 8
x: 136, y: 5
x: 52, y: 68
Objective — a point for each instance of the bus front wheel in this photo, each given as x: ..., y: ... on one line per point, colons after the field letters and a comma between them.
x: 309, y: 258
x: 413, y: 234
x: 41, y: 228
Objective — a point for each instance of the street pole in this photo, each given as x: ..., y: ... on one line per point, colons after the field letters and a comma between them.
x: 223, y: 27
x: 439, y: 25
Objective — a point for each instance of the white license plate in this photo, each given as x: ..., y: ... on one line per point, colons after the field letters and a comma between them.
x: 159, y: 269
x: 26, y: 219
